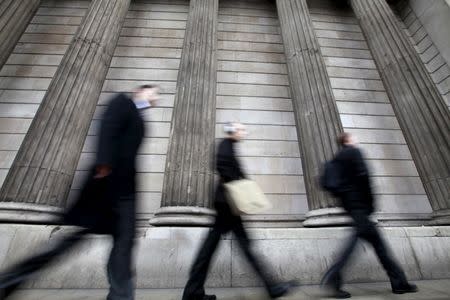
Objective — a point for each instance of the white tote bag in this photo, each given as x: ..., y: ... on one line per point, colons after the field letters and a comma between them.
x: 246, y: 197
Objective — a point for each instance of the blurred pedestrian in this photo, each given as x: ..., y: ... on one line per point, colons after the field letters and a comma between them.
x: 107, y: 202
x: 229, y: 169
x: 353, y: 188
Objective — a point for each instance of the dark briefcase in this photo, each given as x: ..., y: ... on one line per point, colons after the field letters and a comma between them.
x: 93, y: 209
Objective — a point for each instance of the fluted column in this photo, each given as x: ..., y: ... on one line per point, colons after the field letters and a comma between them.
x: 39, y: 180
x: 14, y: 18
x: 317, y: 117
x: 420, y: 109
x: 189, y: 174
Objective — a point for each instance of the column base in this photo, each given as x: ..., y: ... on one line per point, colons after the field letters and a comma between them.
x: 13, y: 212
x: 183, y: 216
x: 441, y: 217
x: 325, y: 217
x: 402, y: 219
x: 273, y: 221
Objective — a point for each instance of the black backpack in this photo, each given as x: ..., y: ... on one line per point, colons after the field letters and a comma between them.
x: 331, y: 178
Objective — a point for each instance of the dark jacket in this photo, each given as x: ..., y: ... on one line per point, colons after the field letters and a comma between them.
x: 121, y: 133
x: 356, y: 187
x: 227, y: 164
x: 229, y: 169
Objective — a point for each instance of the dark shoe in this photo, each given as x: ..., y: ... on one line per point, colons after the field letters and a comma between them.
x: 333, y: 288
x: 282, y: 289
x: 5, y: 293
x: 199, y: 297
x: 331, y: 281
x: 339, y: 294
x: 407, y: 288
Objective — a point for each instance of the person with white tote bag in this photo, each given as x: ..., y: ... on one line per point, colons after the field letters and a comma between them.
x: 235, y: 195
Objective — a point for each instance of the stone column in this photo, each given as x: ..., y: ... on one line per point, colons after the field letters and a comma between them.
x: 189, y: 175
x: 418, y: 105
x: 39, y: 180
x: 317, y: 117
x: 14, y: 18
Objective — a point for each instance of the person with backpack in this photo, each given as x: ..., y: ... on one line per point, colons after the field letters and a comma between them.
x: 347, y: 178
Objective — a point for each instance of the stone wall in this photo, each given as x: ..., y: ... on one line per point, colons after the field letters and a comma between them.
x: 435, y: 18
x: 252, y: 87
x: 427, y: 23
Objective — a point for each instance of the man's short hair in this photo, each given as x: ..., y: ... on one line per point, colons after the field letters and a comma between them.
x: 230, y: 128
x: 147, y: 86
x: 343, y: 138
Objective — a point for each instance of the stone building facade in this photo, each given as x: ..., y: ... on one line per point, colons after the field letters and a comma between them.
x: 296, y: 72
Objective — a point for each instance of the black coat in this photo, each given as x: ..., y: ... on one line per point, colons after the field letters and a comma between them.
x: 229, y: 169
x: 121, y: 133
x: 227, y: 163
x: 356, y: 187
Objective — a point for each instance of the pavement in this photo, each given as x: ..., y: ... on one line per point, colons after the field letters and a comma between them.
x: 428, y: 290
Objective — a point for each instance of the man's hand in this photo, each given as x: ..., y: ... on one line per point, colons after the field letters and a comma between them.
x: 102, y: 171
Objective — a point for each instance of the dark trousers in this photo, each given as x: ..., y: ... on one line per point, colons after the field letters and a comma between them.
x: 224, y: 223
x: 12, y: 278
x: 119, y: 266
x: 365, y: 229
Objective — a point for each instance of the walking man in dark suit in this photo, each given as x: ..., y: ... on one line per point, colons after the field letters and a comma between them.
x: 229, y: 169
x: 357, y: 199
x: 107, y: 203
x: 121, y: 134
